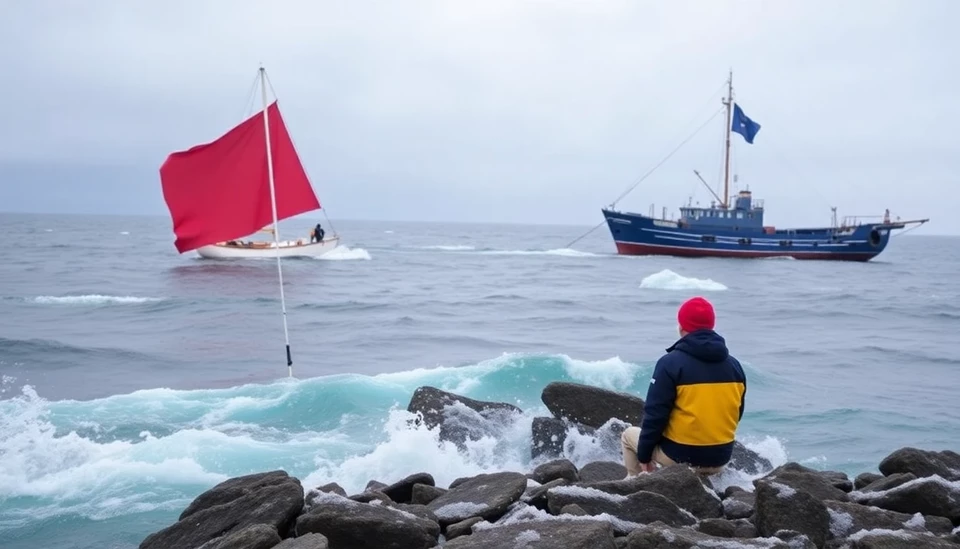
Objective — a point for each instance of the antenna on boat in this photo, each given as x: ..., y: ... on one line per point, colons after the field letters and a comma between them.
x: 276, y: 224
x: 705, y: 184
x: 728, y: 103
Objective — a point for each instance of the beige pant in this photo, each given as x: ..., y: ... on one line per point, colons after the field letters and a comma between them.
x: 628, y: 445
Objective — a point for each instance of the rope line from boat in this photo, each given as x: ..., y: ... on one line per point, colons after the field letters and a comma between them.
x: 585, y: 234
x: 634, y: 186
x: 323, y: 209
x: 692, y: 120
x: 661, y: 163
x: 917, y: 226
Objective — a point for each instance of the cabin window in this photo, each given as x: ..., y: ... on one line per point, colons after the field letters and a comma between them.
x: 739, y: 215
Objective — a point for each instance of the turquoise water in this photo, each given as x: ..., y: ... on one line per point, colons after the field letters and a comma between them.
x: 131, y: 383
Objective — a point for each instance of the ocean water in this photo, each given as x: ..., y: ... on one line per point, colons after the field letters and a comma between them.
x: 134, y: 378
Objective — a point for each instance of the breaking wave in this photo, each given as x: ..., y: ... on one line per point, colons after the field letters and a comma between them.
x: 154, y: 450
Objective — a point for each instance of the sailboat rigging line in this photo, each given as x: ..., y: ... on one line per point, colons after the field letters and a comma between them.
x: 674, y: 151
x: 323, y: 209
x: 251, y: 98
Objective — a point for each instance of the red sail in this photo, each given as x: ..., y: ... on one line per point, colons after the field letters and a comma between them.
x: 221, y: 191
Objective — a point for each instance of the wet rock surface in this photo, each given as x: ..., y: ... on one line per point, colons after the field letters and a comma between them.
x: 678, y: 483
x: 459, y: 418
x: 552, y: 535
x: 486, y: 496
x: 922, y: 463
x: 578, y: 403
x: 568, y: 502
x: 272, y: 499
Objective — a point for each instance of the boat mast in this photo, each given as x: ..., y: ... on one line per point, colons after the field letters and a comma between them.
x: 728, y: 102
x: 276, y: 228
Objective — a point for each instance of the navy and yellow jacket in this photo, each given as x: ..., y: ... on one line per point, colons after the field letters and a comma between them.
x: 694, y: 402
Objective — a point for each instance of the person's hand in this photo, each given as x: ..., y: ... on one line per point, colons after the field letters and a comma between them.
x: 648, y: 467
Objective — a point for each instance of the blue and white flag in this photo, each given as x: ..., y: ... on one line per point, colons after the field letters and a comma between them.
x: 743, y: 125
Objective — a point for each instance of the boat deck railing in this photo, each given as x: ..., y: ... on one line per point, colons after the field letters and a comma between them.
x: 857, y: 220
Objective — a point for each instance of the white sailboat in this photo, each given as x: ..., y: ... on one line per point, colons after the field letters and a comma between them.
x: 253, y: 249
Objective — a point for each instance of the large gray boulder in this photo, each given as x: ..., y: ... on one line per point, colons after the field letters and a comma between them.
x: 348, y: 523
x: 922, y: 463
x: 460, y: 418
x: 487, y: 496
x: 849, y: 518
x: 927, y: 496
x: 274, y: 499
x: 591, y: 406
x: 635, y: 509
x: 402, y: 490
x: 823, y: 485
x: 781, y: 507
x: 678, y: 483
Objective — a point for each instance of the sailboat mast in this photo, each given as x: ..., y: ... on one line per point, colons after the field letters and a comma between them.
x: 276, y: 228
x: 726, y: 156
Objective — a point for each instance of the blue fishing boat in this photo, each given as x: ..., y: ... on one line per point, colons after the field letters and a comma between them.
x: 733, y: 226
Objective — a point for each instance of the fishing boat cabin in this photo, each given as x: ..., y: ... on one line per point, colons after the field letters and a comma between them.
x: 745, y: 215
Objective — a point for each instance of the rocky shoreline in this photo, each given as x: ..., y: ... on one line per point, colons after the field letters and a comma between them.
x: 914, y: 500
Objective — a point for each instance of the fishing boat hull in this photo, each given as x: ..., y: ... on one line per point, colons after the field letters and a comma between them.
x: 268, y: 250
x: 636, y: 234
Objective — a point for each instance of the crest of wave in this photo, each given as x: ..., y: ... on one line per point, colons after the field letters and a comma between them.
x: 669, y: 280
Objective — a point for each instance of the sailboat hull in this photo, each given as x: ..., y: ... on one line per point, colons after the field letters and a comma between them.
x: 267, y: 250
x: 636, y: 234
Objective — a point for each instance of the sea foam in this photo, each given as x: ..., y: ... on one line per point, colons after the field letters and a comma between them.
x: 669, y: 280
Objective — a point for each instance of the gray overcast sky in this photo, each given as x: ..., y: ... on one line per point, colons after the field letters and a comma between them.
x: 509, y: 111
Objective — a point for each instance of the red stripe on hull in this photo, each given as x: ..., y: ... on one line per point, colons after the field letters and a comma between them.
x: 626, y: 248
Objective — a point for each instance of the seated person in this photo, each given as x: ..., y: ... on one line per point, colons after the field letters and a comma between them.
x: 694, y: 402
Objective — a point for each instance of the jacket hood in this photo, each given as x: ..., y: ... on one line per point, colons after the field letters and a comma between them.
x: 705, y: 345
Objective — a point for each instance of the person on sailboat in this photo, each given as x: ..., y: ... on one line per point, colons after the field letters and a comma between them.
x: 317, y: 234
x: 694, y: 402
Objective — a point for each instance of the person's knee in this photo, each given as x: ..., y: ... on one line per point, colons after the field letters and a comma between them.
x: 630, y: 436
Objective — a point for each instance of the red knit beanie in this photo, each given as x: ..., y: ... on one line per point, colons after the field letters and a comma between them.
x: 696, y: 314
